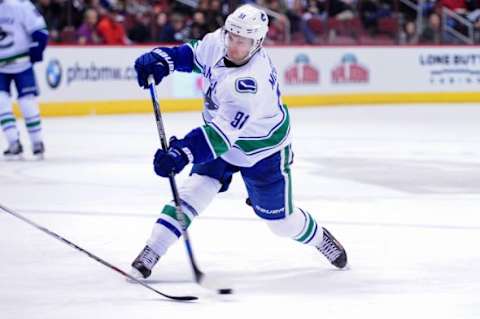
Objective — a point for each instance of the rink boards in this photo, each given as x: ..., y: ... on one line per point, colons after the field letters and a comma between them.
x: 101, y: 80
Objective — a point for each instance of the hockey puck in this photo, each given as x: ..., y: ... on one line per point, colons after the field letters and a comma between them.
x: 225, y: 291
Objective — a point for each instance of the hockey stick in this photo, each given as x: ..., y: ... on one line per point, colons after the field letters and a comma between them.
x: 94, y: 257
x: 198, y: 274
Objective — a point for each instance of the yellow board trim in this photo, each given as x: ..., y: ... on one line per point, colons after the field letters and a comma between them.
x: 382, y: 98
x: 179, y: 105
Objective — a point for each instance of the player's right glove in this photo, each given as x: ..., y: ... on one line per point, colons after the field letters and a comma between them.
x: 174, y: 160
x: 157, y: 63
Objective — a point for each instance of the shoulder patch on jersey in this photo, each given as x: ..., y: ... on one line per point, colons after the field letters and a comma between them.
x: 193, y: 43
x: 246, y: 85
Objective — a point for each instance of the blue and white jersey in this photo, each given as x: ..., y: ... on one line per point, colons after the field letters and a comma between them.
x: 245, y: 119
x: 18, y: 20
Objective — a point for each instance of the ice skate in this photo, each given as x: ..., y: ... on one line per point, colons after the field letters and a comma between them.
x: 38, y: 150
x: 14, y: 151
x: 143, y: 264
x: 333, y: 250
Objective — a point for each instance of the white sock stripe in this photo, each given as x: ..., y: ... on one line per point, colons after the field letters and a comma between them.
x: 32, y: 118
x: 172, y: 221
x: 313, y: 233
x: 6, y: 114
x: 307, y: 231
x: 9, y: 127
x: 35, y: 130
x: 307, y: 216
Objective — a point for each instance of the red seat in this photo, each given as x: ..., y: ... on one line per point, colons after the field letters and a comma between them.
x: 316, y: 25
x: 388, y: 25
x: 348, y: 27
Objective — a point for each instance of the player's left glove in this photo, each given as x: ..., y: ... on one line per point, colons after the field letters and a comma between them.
x: 162, y: 61
x: 157, y: 63
x: 40, y: 39
x: 174, y: 160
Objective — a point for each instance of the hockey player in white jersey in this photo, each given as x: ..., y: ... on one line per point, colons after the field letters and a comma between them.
x: 23, y: 38
x: 247, y: 130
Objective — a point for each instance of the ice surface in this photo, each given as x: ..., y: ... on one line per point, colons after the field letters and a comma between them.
x: 398, y: 185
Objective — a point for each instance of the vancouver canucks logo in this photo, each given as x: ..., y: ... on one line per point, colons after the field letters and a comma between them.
x: 209, y: 104
x: 246, y: 85
x: 3, y: 34
x: 5, y: 40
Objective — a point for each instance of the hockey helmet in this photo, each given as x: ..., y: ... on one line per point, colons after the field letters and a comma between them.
x: 249, y: 22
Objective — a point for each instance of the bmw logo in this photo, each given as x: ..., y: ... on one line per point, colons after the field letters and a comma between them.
x: 54, y: 73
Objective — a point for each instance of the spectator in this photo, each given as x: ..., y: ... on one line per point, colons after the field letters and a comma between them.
x: 164, y: 32
x: 214, y: 15
x: 314, y: 10
x: 198, y: 28
x: 431, y: 34
x: 111, y: 30
x: 371, y: 11
x: 474, y: 17
x: 276, y: 31
x: 476, y: 31
x: 409, y: 34
x: 137, y: 7
x: 87, y: 32
x: 341, y: 9
x: 140, y: 32
x: 294, y: 13
x: 53, y: 13
x: 203, y: 5
x: 277, y: 28
x: 161, y: 6
x: 180, y: 29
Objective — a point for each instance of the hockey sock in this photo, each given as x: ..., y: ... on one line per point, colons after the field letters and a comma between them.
x: 300, y: 226
x: 311, y: 233
x: 31, y: 114
x: 7, y: 119
x: 196, y: 193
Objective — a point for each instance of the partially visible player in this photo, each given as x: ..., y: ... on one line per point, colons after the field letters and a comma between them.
x: 246, y: 131
x: 23, y: 38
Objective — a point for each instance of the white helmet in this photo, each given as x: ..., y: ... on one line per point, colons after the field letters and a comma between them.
x: 249, y: 22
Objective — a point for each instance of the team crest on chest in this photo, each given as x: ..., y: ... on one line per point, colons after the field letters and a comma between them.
x: 6, y: 39
x: 246, y: 85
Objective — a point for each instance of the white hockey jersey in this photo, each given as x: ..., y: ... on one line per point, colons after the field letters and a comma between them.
x: 243, y: 111
x: 18, y: 20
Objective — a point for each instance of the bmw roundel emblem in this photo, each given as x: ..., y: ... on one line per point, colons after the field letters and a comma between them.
x: 54, y: 73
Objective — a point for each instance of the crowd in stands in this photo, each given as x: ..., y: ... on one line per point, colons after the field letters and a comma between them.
x: 122, y: 22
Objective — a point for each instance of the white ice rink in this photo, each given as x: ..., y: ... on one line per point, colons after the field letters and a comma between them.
x: 398, y: 185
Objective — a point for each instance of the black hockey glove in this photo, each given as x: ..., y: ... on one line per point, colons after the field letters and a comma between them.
x: 174, y: 160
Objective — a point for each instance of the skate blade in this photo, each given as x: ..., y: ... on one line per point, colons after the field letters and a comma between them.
x: 39, y: 157
x: 11, y: 158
